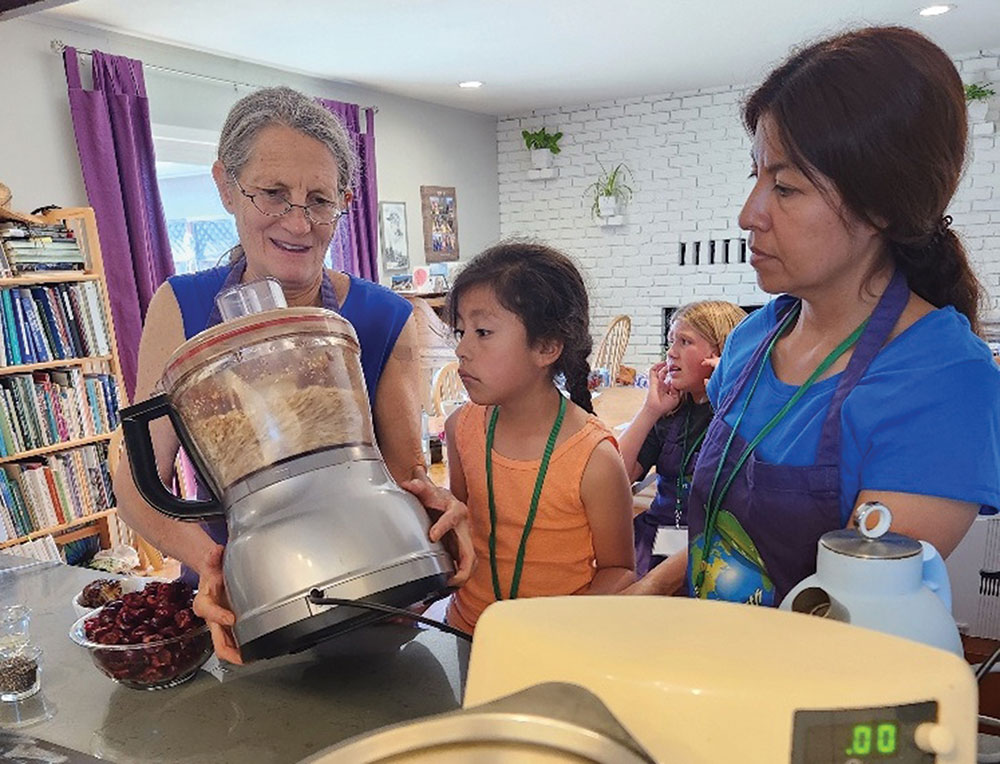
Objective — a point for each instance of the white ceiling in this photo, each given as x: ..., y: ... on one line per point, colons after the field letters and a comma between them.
x: 529, y: 53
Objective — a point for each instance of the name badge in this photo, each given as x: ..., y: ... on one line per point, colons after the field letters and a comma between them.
x: 669, y: 540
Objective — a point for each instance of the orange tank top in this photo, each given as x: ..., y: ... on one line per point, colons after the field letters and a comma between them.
x: 559, y: 556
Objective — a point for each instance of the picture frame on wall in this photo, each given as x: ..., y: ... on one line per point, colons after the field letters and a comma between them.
x: 439, y: 208
x: 392, y: 235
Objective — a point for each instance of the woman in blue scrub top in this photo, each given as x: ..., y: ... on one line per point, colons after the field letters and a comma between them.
x: 865, y: 379
x: 284, y: 172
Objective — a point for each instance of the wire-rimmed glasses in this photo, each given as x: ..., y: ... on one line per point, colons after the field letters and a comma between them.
x: 274, y: 205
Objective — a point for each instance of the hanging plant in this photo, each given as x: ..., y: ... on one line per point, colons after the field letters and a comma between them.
x: 610, y: 191
x: 978, y: 92
x: 542, y: 139
x: 543, y: 145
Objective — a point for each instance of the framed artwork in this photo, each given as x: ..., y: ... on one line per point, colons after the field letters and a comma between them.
x: 392, y: 234
x: 402, y: 282
x: 440, y: 216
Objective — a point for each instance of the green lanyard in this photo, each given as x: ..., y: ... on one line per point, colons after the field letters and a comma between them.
x: 682, y: 484
x: 515, y: 581
x: 714, y: 501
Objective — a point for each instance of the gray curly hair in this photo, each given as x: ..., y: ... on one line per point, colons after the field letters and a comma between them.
x: 284, y: 106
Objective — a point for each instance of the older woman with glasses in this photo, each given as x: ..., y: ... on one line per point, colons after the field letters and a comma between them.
x: 284, y: 172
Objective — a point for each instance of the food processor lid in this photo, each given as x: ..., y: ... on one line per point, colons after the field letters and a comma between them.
x: 891, y: 546
x: 231, y: 336
x: 552, y: 722
x: 871, y: 542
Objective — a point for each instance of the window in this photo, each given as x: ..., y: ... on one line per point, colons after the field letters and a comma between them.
x: 198, y: 226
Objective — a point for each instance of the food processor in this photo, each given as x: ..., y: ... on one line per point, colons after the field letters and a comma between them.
x: 271, y: 407
x: 614, y: 679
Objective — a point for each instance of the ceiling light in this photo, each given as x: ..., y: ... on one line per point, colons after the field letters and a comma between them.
x: 935, y: 10
x: 470, y: 84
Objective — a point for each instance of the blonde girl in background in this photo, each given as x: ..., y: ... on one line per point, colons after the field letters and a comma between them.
x: 550, y: 502
x: 669, y: 428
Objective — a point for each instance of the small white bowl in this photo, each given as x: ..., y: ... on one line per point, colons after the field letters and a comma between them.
x: 129, y: 584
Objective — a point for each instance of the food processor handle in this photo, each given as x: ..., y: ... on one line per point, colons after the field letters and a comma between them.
x: 135, y: 428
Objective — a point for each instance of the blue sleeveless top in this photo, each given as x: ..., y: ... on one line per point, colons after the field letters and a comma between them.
x: 376, y: 313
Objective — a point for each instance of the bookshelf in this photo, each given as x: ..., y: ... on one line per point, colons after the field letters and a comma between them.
x: 60, y: 387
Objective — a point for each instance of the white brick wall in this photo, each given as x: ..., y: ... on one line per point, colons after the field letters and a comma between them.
x: 690, y: 158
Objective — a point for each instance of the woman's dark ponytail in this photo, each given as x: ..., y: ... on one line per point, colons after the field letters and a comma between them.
x: 939, y: 271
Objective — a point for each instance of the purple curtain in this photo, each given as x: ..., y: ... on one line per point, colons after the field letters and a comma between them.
x: 115, y: 143
x: 355, y: 245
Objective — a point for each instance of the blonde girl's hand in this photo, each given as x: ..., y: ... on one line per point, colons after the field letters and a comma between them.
x: 661, y: 397
x: 712, y: 362
x: 451, y: 523
x: 212, y: 604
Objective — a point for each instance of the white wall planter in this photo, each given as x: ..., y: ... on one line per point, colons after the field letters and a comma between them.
x: 607, y: 206
x: 547, y: 174
x: 541, y: 159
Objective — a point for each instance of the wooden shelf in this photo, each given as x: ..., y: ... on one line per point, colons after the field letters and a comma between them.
x: 48, y: 277
x: 101, y: 528
x: 56, y: 447
x: 84, y: 225
x: 23, y: 368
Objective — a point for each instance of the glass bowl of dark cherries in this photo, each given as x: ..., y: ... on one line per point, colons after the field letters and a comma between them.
x: 147, y: 640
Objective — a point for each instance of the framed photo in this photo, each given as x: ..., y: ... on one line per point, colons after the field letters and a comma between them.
x: 440, y: 217
x: 402, y: 282
x: 392, y: 234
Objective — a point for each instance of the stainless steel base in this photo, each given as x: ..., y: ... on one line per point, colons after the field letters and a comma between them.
x: 323, y: 522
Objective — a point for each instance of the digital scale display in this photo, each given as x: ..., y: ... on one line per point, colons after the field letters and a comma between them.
x: 861, y: 735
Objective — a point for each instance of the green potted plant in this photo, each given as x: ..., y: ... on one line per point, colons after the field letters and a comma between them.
x: 611, y: 191
x: 543, y: 146
x: 977, y: 96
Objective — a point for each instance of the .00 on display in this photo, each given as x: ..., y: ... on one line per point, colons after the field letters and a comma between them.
x: 875, y: 740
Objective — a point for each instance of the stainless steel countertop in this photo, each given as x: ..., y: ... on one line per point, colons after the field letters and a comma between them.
x: 273, y: 711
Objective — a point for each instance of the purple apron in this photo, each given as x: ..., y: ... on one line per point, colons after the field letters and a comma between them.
x: 661, y: 509
x: 773, y: 515
x: 217, y: 529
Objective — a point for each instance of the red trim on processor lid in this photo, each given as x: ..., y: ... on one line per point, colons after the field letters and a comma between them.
x: 226, y: 335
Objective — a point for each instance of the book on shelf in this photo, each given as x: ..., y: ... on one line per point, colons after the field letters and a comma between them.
x: 72, y: 320
x: 11, y: 340
x: 28, y: 248
x: 54, y: 406
x: 52, y: 322
x: 39, y: 341
x: 48, y: 491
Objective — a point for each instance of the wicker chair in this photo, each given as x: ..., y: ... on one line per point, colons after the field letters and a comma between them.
x: 448, y: 390
x: 611, y: 351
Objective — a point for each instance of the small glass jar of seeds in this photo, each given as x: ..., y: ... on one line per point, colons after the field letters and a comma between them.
x: 20, y: 671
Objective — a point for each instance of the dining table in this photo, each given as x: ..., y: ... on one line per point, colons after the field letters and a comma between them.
x: 616, y: 406
x: 275, y: 711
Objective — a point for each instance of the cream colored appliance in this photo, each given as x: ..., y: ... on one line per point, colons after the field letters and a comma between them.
x: 696, y: 682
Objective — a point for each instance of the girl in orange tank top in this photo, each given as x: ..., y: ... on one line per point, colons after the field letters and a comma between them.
x: 549, y: 500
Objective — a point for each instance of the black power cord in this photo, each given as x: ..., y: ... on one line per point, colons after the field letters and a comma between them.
x: 316, y: 597
x: 986, y: 665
